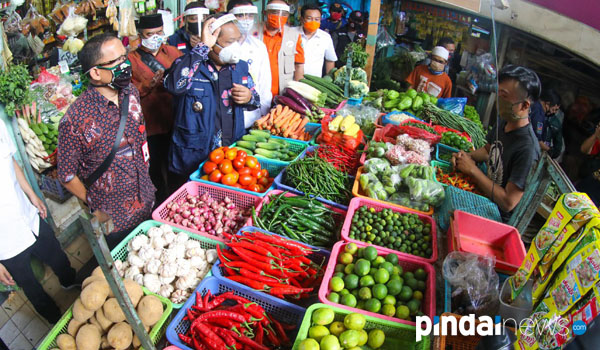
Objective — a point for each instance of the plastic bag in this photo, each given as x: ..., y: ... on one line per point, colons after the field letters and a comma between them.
x: 372, y: 187
x: 376, y: 166
x: 126, y: 19
x: 398, y: 154
x: 426, y: 191
x: 422, y: 147
x: 474, y: 283
x: 455, y: 105
x: 73, y: 24
x: 385, y: 38
x: 377, y: 149
x: 391, y: 182
x: 404, y: 200
x: 45, y: 77
x: 389, y: 133
x: 14, y: 23
x: 365, y: 116
x: 36, y: 21
x: 337, y: 138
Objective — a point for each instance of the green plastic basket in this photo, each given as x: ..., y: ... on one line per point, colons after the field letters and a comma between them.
x: 442, y: 165
x: 61, y: 326
x: 397, y: 335
x: 294, y: 145
x: 120, y: 252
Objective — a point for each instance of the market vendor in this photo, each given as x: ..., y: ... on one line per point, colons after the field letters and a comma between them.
x: 188, y: 36
x: 284, y: 45
x: 212, y: 89
x: 117, y: 187
x: 25, y: 234
x: 432, y: 78
x: 317, y: 42
x: 550, y: 137
x: 148, y: 65
x: 350, y: 33
x: 255, y: 53
x: 591, y: 183
x: 336, y: 19
x: 512, y: 147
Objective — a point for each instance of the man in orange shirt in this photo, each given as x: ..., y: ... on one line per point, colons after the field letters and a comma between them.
x: 284, y: 45
x: 432, y: 79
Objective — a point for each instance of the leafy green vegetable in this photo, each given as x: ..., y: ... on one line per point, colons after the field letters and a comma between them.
x: 359, y: 55
x: 358, y: 89
x: 14, y: 88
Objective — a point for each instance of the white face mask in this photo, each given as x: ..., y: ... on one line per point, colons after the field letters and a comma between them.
x: 153, y: 43
x: 230, y: 54
x: 245, y: 25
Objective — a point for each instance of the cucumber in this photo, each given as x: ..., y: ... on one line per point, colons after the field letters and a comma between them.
x: 261, y: 133
x: 254, y: 138
x: 246, y: 144
x: 279, y: 141
x: 248, y: 152
x: 273, y: 146
x: 267, y: 154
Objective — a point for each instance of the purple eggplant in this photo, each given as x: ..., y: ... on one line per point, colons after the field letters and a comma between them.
x: 287, y: 101
x: 298, y: 98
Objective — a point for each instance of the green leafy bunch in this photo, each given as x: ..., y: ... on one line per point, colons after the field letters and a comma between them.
x: 359, y: 55
x: 14, y: 87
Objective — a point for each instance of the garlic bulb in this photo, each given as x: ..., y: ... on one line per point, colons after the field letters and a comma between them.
x: 169, y: 237
x: 211, y: 256
x: 146, y: 253
x: 152, y: 266
x: 179, y: 296
x: 139, y: 279
x: 182, y: 237
x: 197, y: 262
x: 197, y: 252
x: 158, y: 242
x: 183, y: 267
x: 168, y: 256
x: 135, y: 260
x: 166, y: 290
x: 166, y: 229
x: 131, y: 272
x: 179, y: 250
x: 168, y: 270
x: 152, y: 282
x: 138, y: 242
x: 166, y: 280
x: 154, y: 232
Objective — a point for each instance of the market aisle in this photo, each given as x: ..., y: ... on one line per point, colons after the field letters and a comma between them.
x: 21, y: 328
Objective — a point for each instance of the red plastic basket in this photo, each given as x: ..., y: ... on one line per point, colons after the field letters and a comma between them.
x: 241, y: 200
x: 356, y: 203
x: 499, y: 240
x: 407, y: 263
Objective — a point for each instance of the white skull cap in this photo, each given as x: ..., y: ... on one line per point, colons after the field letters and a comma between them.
x: 440, y: 52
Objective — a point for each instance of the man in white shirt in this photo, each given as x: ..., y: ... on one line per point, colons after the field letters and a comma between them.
x: 255, y: 53
x: 318, y: 46
x: 24, y: 233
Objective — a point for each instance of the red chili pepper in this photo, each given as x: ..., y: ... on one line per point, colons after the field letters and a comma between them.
x: 289, y: 290
x: 248, y: 281
x: 222, y: 332
x: 241, y: 264
x: 198, y: 344
x: 255, y: 248
x: 187, y: 340
x: 229, y: 272
x: 199, y: 300
x: 211, y: 339
x: 295, y: 283
x: 257, y: 312
x: 294, y: 247
x: 260, y: 333
x: 221, y: 314
x: 207, y: 296
x: 271, y: 269
x: 227, y: 323
x: 258, y: 277
x: 280, y: 330
x: 247, y: 341
x: 216, y: 301
x: 241, y: 252
x: 269, y: 247
x: 272, y: 337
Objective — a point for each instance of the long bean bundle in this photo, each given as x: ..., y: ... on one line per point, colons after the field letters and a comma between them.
x: 315, y: 176
x: 448, y: 119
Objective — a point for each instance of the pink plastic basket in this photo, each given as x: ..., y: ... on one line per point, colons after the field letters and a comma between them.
x: 241, y: 200
x: 407, y: 263
x: 358, y: 202
x: 328, y: 111
x: 499, y: 240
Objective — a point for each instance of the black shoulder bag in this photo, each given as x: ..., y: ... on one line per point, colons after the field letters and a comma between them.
x: 109, y: 159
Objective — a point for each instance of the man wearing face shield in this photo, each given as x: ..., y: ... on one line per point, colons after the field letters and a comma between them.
x: 102, y: 150
x: 513, y: 153
x: 255, y: 53
x: 351, y: 32
x: 284, y: 45
x: 432, y: 78
x: 149, y: 63
x: 212, y: 89
x: 188, y: 37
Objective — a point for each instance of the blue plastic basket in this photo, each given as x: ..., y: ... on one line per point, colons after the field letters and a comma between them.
x: 290, y: 314
x: 274, y: 167
x: 457, y: 199
x: 354, y: 101
x: 385, y: 120
x: 280, y: 179
x: 448, y: 291
x: 319, y: 256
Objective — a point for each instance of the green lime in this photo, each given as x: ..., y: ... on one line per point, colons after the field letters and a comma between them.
x: 349, y: 338
x: 382, y: 276
x: 336, y: 328
x: 380, y: 291
x: 378, y: 261
x: 345, y: 258
x: 339, y: 274
x: 355, y: 293
x: 388, y: 266
x: 362, y: 267
x: 344, y: 292
x: 355, y: 321
x: 421, y: 286
x: 394, y: 287
x: 361, y: 252
x: 317, y: 332
x: 406, y: 293
x: 420, y: 274
x: 394, y: 277
x: 348, y: 269
x: 349, y: 300
x: 339, y: 267
x: 364, y: 337
x: 331, y: 342
x: 402, y: 312
x: 351, y: 281
x: 388, y: 310
x: 360, y: 304
x: 367, y: 281
x: 308, y: 344
x: 408, y: 275
x: 370, y: 253
x: 365, y: 293
x: 376, y: 339
x: 336, y: 284
x: 373, y: 305
x: 397, y: 270
x: 417, y: 295
x: 412, y: 283
x: 389, y: 299
x: 323, y: 316
x: 334, y: 297
x: 392, y: 258
x: 372, y: 271
x: 351, y: 248
x: 413, y: 306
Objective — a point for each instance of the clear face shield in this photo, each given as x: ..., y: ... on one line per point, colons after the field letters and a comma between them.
x: 194, y: 19
x: 277, y: 15
x: 246, y: 17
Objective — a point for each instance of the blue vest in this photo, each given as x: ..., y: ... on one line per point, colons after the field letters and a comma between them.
x: 194, y: 129
x: 180, y: 37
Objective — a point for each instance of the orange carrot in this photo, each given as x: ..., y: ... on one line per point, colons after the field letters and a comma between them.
x: 289, y: 114
x: 292, y: 127
x: 292, y: 120
x: 302, y: 124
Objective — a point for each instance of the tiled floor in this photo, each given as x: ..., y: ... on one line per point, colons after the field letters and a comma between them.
x: 21, y: 328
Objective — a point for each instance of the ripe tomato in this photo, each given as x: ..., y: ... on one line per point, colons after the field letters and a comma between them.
x: 238, y: 163
x: 241, y: 154
x: 215, y: 176
x: 264, y: 181
x: 204, y: 177
x: 265, y: 173
x: 231, y: 154
x: 226, y: 167
x: 236, y: 176
x: 245, y: 180
x: 237, y: 185
x: 217, y: 156
x: 251, y: 162
x: 261, y: 188
x: 257, y: 173
x: 229, y: 179
x: 254, y: 188
x: 209, y: 167
x: 245, y: 171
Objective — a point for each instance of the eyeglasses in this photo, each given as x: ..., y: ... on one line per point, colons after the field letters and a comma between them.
x: 117, y: 60
x: 312, y: 19
x: 438, y: 60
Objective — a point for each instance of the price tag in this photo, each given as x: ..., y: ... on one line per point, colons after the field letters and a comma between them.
x: 64, y: 67
x: 145, y: 152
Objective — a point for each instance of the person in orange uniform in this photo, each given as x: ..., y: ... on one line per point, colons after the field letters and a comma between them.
x: 432, y: 78
x: 149, y: 63
x: 284, y: 45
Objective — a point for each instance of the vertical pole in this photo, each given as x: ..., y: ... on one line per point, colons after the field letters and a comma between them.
x: 372, y: 36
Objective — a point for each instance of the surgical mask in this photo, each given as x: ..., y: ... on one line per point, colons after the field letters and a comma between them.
x: 245, y: 25
x: 230, y: 54
x: 505, y: 110
x: 153, y: 43
x: 311, y: 26
x: 336, y: 16
x: 436, y: 67
x: 276, y: 21
x: 193, y: 28
x: 121, y: 76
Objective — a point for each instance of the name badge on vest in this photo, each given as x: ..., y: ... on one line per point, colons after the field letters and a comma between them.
x: 145, y: 152
x: 197, y: 106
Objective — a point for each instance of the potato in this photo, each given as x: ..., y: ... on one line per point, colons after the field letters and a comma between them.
x: 94, y: 322
x: 136, y: 341
x: 104, y: 343
x: 134, y: 290
x: 88, y: 338
x: 98, y: 272
x: 66, y: 342
x: 120, y: 336
x: 86, y: 282
x: 112, y: 311
x: 94, y: 295
x: 104, y: 322
x: 80, y: 313
x: 150, y: 310
x: 73, y: 327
